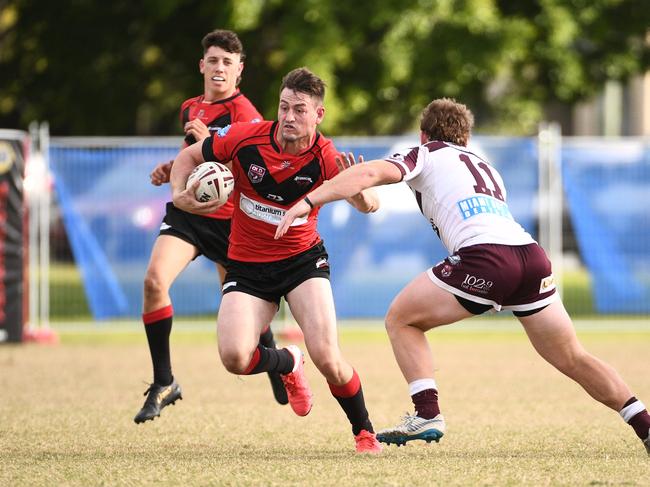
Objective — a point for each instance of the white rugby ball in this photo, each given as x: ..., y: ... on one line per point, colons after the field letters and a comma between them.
x: 216, y: 182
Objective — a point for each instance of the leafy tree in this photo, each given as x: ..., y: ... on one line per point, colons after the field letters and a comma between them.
x: 121, y: 67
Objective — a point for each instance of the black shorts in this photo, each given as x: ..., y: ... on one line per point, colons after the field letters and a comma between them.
x: 208, y: 235
x: 272, y: 280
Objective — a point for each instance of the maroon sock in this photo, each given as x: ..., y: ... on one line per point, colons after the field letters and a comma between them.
x: 426, y: 403
x: 640, y: 420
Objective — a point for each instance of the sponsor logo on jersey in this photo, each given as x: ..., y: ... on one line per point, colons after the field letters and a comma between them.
x: 303, y: 180
x: 477, y: 205
x: 221, y: 132
x: 256, y: 173
x: 449, y: 263
x: 547, y: 284
x: 322, y: 263
x: 477, y: 285
x: 256, y: 120
x: 274, y: 197
x: 165, y: 226
x: 285, y: 164
x: 266, y: 213
x: 201, y: 113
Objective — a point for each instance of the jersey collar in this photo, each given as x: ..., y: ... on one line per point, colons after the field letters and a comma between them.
x: 225, y: 100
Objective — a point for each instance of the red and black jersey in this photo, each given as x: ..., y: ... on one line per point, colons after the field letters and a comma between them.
x: 216, y: 115
x: 268, y: 181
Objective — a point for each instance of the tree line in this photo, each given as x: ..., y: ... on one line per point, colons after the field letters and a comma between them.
x: 123, y: 67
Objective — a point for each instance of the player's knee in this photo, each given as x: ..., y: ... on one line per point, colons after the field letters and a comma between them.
x: 392, y: 322
x: 332, y: 372
x: 331, y: 367
x: 153, y: 285
x: 235, y: 361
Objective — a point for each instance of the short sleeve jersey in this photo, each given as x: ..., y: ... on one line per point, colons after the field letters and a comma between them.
x: 268, y: 181
x: 216, y: 115
x: 461, y: 195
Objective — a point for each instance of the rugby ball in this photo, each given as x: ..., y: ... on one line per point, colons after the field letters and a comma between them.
x: 216, y: 182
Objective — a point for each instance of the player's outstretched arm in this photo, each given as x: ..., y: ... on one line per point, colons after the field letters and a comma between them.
x: 365, y: 201
x: 182, y: 197
x: 346, y: 184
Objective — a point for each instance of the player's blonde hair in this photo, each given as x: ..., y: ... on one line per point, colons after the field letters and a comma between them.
x: 447, y: 120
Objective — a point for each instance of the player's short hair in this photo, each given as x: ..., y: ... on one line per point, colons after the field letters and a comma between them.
x: 447, y: 120
x: 304, y: 81
x: 226, y: 40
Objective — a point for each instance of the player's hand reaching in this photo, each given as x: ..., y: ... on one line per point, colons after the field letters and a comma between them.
x: 343, y: 160
x: 160, y: 173
x: 197, y: 129
x: 186, y: 200
x: 300, y: 209
x: 365, y: 201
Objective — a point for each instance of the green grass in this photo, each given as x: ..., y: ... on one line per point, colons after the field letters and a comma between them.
x: 67, y: 295
x: 66, y: 415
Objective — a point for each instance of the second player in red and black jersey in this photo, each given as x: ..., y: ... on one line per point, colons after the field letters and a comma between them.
x: 276, y: 164
x: 216, y: 115
x: 184, y: 236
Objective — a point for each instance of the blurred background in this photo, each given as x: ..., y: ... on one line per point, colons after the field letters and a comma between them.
x: 90, y: 94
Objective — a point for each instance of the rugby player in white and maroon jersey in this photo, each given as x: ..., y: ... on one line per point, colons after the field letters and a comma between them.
x: 494, y: 264
x: 276, y: 164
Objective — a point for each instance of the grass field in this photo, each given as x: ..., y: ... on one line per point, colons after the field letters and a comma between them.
x: 66, y: 414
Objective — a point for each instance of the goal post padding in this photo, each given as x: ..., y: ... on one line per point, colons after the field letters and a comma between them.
x: 12, y: 235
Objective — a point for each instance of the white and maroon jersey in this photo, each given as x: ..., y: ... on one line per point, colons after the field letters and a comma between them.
x: 461, y: 195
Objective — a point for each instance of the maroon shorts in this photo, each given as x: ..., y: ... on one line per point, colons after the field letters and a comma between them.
x: 516, y: 278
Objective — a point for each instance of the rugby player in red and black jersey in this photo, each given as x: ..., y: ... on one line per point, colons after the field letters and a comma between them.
x: 184, y: 236
x: 276, y: 164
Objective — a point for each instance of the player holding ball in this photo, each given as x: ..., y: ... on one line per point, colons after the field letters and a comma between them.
x: 276, y: 164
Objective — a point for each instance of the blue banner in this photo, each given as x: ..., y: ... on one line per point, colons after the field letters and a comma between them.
x: 112, y: 215
x: 607, y: 184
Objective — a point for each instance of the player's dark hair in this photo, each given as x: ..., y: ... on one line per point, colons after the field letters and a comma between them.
x: 447, y: 120
x: 302, y: 80
x: 226, y: 40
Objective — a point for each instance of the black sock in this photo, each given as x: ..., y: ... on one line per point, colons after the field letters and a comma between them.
x: 158, y: 326
x: 271, y: 360
x: 267, y: 339
x: 350, y: 398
